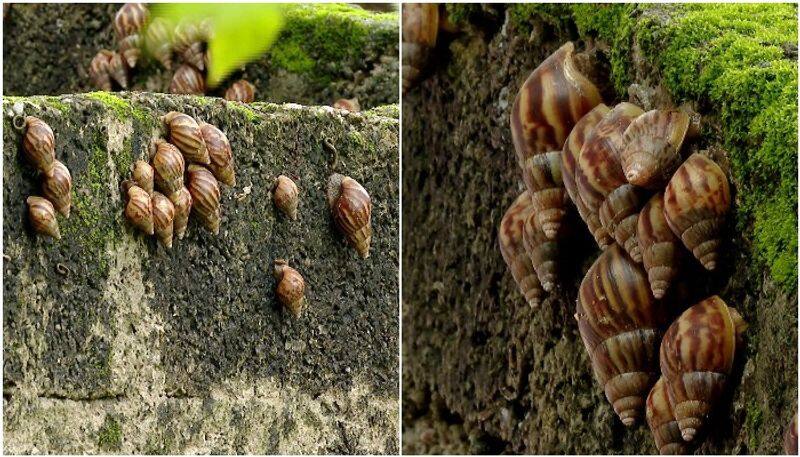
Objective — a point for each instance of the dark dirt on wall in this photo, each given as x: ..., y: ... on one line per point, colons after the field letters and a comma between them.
x: 482, y: 371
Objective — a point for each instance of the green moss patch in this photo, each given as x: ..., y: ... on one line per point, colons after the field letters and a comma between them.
x: 109, y: 437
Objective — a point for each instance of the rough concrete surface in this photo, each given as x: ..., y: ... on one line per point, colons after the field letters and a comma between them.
x: 114, y: 344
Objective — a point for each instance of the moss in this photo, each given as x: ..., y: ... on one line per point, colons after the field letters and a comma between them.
x: 121, y: 107
x: 109, y: 437
x: 752, y: 424
x: 463, y: 13
x: 249, y: 114
x: 554, y: 15
x: 391, y: 111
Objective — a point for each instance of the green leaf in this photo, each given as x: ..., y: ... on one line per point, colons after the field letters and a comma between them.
x: 241, y: 31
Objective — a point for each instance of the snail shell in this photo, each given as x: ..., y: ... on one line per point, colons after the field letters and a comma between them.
x: 286, y: 196
x: 139, y: 209
x: 652, y: 150
x: 603, y: 175
x: 349, y: 104
x: 241, y: 91
x: 291, y: 287
x: 163, y: 218
x: 189, y: 32
x: 553, y: 98
x: 43, y: 217
x: 543, y: 176
x: 99, y: 72
x: 420, y: 28
x: 790, y: 438
x: 696, y: 359
x: 168, y: 165
x: 117, y: 68
x: 187, y: 80
x: 660, y: 247
x: 619, y: 321
x: 351, y: 206
x: 130, y: 19
x: 662, y: 422
x: 130, y: 49
x: 182, y: 202
x: 158, y: 41
x: 39, y: 145
x: 571, y: 172
x: 510, y: 239
x: 144, y: 175
x: 542, y: 251
x: 185, y: 134
x: 696, y: 201
x: 219, y: 151
x: 205, y: 197
x: 58, y: 188
x: 195, y: 55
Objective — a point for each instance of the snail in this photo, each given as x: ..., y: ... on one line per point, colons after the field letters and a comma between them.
x: 187, y: 80
x: 158, y: 41
x: 349, y: 104
x: 117, y: 69
x: 548, y: 196
x: 420, y: 28
x: 163, y: 218
x: 696, y: 359
x: 603, y: 175
x: 351, y: 206
x: 790, y: 438
x: 662, y: 423
x: 570, y: 172
x: 182, y: 201
x: 58, y: 188
x: 189, y: 32
x: 39, y: 145
x: 619, y: 322
x: 510, y: 239
x: 144, y: 175
x: 241, y: 91
x: 542, y: 251
x: 99, y: 72
x: 219, y: 152
x: 659, y: 246
x: 195, y: 55
x: 129, y: 19
x: 168, y: 165
x: 139, y: 209
x: 130, y: 49
x: 696, y: 202
x: 43, y: 217
x: 286, y: 195
x: 291, y: 287
x: 185, y: 134
x: 205, y: 193
x: 652, y: 150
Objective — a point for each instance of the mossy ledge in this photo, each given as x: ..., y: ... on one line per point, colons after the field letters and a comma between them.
x: 114, y: 344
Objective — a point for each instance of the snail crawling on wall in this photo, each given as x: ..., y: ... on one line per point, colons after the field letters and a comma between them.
x: 651, y: 203
x: 351, y: 207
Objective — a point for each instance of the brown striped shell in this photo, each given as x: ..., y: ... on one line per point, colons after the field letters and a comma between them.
x: 661, y: 249
x: 205, y: 197
x: 58, y: 188
x: 510, y: 239
x: 420, y: 29
x: 349, y: 104
x: 652, y: 147
x: 163, y: 218
x: 188, y: 32
x: 570, y: 172
x: 696, y: 358
x: 543, y: 176
x: 195, y: 55
x: 158, y: 41
x: 619, y: 322
x: 219, y: 151
x: 118, y: 69
x: 241, y: 91
x: 185, y: 134
x: 39, y: 145
x: 696, y: 201
x: 291, y: 287
x: 144, y: 175
x: 790, y: 438
x: 168, y: 165
x: 541, y: 250
x: 351, y: 206
x: 662, y: 422
x: 286, y: 196
x: 130, y: 49
x: 139, y: 209
x: 182, y: 202
x: 553, y: 98
x: 602, y: 174
x: 129, y: 19
x: 99, y: 72
x: 187, y: 80
x: 43, y: 217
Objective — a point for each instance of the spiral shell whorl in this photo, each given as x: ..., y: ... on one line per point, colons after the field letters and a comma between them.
x: 351, y: 206
x: 219, y: 152
x: 185, y: 134
x: 39, y: 145
x: 660, y: 247
x: 510, y: 239
x: 182, y: 201
x: 129, y: 19
x: 187, y: 80
x: 286, y: 196
x: 291, y: 287
x: 163, y: 219
x: 43, y: 217
x: 139, y: 209
x: 661, y: 420
x: 652, y: 147
x: 58, y: 188
x: 205, y: 193
x: 543, y: 252
x: 168, y: 166
x: 543, y: 176
x: 241, y: 91
x: 420, y: 29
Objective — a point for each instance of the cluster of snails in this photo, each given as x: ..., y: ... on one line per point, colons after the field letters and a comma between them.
x: 158, y: 200
x: 187, y: 41
x: 39, y: 147
x: 646, y: 205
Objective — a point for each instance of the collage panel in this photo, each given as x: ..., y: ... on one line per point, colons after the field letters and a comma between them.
x: 599, y: 228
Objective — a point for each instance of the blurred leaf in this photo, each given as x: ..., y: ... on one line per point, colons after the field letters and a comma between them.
x: 242, y: 31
